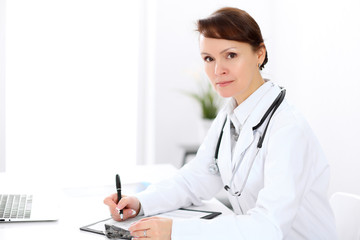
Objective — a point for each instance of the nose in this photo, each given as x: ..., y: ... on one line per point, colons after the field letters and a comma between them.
x: 220, y: 69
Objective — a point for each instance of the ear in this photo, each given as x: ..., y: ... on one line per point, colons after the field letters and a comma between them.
x: 260, y: 53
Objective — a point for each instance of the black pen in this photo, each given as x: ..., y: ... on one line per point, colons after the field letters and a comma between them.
x: 118, y: 189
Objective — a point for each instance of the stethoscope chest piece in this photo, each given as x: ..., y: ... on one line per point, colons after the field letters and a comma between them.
x: 213, y: 168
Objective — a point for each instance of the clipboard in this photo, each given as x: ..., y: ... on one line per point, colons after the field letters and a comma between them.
x: 182, y: 213
x: 88, y: 228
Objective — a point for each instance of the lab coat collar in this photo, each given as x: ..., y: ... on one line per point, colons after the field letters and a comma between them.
x: 246, y: 140
x: 250, y: 113
x: 242, y: 112
x: 261, y: 101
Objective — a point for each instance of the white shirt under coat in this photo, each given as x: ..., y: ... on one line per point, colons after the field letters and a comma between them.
x: 285, y: 196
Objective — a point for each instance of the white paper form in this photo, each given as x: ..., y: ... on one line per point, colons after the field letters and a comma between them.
x: 177, y: 214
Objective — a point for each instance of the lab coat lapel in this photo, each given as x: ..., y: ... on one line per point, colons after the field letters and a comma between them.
x: 246, y: 136
x: 224, y: 163
x: 245, y: 139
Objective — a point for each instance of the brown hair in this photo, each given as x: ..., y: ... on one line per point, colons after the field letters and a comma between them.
x: 232, y: 24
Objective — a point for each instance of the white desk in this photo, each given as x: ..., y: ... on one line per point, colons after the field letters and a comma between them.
x: 82, y: 205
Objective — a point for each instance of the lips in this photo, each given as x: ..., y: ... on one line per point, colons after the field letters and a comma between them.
x: 224, y: 83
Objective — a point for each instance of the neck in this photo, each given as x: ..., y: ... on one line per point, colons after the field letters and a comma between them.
x: 255, y: 84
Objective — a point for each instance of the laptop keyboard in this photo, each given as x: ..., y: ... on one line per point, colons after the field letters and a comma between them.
x: 15, y: 206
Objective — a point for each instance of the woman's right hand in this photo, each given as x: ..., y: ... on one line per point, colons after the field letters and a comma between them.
x: 130, y: 205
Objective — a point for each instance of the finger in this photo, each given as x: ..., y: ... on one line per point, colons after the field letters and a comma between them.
x: 124, y: 201
x: 111, y: 204
x: 141, y: 234
x: 129, y: 213
x: 150, y: 218
x: 111, y: 200
x: 115, y: 214
x: 144, y: 223
x: 147, y: 219
x: 140, y: 225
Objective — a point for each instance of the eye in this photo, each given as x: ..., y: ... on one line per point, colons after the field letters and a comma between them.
x: 231, y: 55
x: 208, y: 59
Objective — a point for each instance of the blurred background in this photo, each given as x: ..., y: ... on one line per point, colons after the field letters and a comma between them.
x: 89, y: 87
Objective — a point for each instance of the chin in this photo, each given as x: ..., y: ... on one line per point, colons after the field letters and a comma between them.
x: 225, y: 94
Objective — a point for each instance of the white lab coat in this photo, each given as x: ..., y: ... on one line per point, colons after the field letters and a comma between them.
x: 285, y: 196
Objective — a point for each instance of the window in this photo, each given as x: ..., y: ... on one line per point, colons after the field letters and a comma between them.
x: 71, y: 86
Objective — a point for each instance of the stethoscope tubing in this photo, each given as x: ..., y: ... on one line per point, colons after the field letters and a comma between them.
x: 238, y: 193
x: 213, y: 168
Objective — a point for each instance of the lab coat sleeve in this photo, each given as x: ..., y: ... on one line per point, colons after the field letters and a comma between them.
x: 190, y: 185
x: 288, y: 163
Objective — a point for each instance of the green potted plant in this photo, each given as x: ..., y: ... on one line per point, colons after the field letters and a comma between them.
x: 209, y: 104
x: 208, y: 100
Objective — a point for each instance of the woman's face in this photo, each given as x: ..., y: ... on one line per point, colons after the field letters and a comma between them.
x: 232, y: 67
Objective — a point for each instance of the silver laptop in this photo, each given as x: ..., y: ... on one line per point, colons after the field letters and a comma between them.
x: 27, y: 207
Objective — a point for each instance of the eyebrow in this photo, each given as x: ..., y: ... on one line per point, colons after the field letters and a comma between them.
x: 225, y: 50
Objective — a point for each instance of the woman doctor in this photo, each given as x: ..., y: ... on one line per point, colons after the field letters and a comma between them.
x: 268, y: 158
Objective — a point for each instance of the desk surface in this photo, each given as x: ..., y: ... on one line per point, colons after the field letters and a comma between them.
x: 80, y: 206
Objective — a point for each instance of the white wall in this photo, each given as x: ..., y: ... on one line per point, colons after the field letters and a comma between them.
x: 71, y: 87
x: 313, y: 51
x: 322, y: 78
x: 176, y: 59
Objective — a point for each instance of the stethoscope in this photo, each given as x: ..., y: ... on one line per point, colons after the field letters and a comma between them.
x: 213, y: 167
